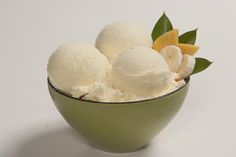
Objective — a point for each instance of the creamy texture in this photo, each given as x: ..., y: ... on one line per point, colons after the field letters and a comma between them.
x: 135, y: 71
x: 119, y: 36
x: 174, y: 83
x: 137, y: 74
x: 140, y: 70
x: 105, y: 92
x: 76, y: 64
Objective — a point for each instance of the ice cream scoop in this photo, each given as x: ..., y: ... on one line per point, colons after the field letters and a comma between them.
x: 76, y: 64
x: 119, y: 36
x: 142, y: 71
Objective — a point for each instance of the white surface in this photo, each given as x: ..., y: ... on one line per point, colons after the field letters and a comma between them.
x: 30, y: 125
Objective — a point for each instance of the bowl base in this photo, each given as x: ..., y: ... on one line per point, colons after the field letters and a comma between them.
x: 121, y: 152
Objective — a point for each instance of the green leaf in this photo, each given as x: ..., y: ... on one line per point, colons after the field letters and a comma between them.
x: 188, y: 37
x: 162, y: 26
x: 201, y: 64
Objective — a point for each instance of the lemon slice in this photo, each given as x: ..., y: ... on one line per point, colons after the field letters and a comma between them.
x: 167, y: 39
x: 188, y: 49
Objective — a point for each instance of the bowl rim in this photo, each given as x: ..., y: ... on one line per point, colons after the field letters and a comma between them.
x: 187, y: 80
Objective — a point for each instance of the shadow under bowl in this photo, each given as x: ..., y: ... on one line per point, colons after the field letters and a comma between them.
x: 119, y: 127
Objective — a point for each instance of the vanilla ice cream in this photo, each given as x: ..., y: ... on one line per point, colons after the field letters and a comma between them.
x: 142, y: 71
x: 75, y: 65
x: 103, y: 91
x: 119, y: 36
x: 122, y: 68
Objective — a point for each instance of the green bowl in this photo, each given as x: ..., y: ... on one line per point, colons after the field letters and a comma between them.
x: 119, y: 127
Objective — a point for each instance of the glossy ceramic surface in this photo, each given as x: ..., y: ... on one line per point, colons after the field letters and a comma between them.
x: 119, y: 127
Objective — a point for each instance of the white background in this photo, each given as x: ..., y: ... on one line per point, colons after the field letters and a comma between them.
x: 30, y: 125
